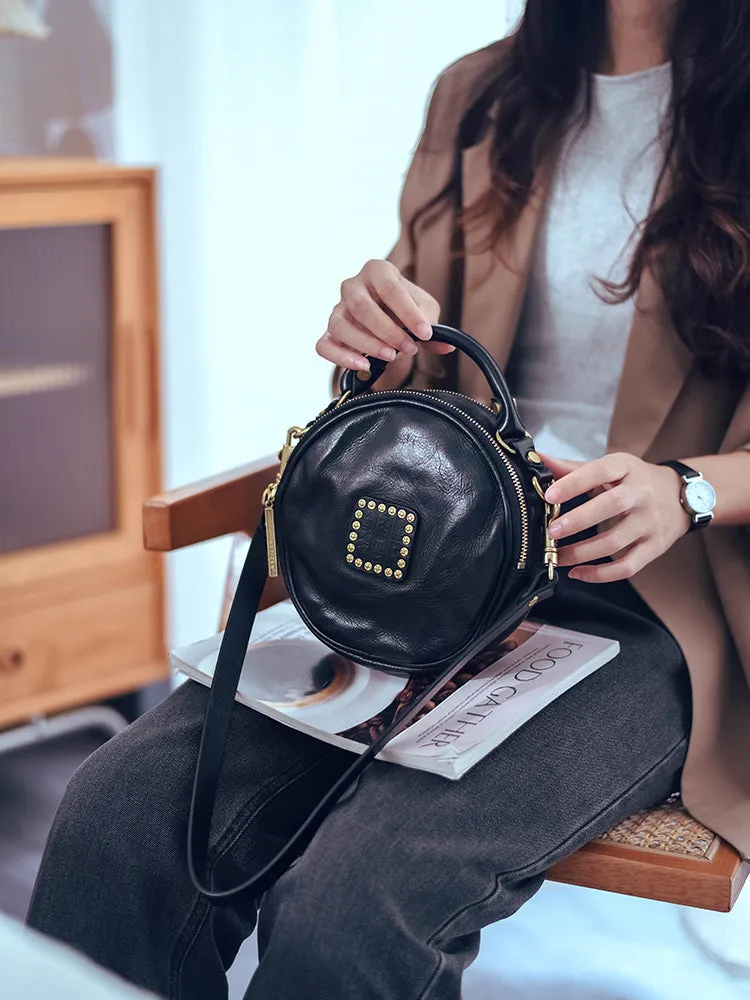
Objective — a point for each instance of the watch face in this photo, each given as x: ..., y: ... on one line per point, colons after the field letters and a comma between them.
x: 700, y: 496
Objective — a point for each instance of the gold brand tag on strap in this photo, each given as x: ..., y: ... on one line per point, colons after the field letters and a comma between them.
x: 273, y: 563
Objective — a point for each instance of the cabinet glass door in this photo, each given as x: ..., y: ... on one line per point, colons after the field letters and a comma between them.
x: 57, y: 453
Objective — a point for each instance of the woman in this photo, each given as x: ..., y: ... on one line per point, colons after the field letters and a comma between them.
x: 598, y: 157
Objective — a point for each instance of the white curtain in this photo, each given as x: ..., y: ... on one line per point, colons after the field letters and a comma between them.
x: 282, y: 130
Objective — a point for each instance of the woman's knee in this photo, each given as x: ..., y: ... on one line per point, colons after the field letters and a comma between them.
x: 134, y: 784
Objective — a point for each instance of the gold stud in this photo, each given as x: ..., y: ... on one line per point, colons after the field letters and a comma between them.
x: 368, y: 566
x: 398, y: 574
x: 378, y: 568
x: 372, y: 505
x: 404, y: 552
x: 361, y: 502
x: 402, y: 513
x: 350, y: 547
x: 389, y: 572
x: 358, y: 515
x: 409, y: 517
x: 353, y: 535
x: 401, y: 563
x: 350, y: 559
x: 406, y: 540
x: 533, y: 457
x: 357, y: 525
x: 381, y: 507
x: 391, y: 511
x: 358, y: 563
x: 409, y: 528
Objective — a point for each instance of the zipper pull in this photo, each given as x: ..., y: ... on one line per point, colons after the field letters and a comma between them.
x: 268, y: 498
x: 550, y: 545
x: 292, y: 435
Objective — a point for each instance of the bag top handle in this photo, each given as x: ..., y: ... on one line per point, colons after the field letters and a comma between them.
x: 509, y: 422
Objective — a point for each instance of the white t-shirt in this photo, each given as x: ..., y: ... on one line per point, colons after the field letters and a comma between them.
x: 570, y: 348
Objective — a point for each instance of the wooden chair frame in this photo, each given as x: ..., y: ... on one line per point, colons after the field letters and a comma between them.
x: 231, y: 503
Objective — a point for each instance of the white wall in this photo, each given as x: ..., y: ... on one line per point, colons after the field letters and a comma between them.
x: 282, y: 129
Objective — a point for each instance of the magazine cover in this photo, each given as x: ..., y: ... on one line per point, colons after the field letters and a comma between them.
x: 293, y: 677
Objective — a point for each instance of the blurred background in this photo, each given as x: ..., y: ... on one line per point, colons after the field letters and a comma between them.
x: 280, y: 131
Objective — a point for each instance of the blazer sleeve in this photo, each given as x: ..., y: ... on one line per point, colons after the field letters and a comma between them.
x: 728, y: 547
x: 738, y: 434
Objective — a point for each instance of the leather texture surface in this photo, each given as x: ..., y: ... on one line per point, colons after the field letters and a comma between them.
x: 404, y: 528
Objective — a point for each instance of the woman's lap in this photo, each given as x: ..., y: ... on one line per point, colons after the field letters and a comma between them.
x: 410, y: 863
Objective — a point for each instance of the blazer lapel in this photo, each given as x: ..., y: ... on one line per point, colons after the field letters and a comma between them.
x: 494, y: 282
x: 657, y: 364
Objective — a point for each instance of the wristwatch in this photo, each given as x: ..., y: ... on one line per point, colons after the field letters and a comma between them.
x: 697, y: 496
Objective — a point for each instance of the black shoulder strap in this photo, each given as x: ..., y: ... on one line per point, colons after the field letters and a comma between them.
x: 216, y: 731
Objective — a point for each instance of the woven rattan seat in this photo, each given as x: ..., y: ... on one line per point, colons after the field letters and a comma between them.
x: 661, y: 853
x: 669, y: 829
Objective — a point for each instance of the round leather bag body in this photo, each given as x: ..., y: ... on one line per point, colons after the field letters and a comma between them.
x: 396, y: 529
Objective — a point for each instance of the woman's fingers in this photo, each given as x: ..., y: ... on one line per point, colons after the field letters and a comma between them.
x: 377, y: 315
x: 340, y: 355
x: 435, y: 347
x: 559, y: 467
x: 345, y: 329
x: 611, y: 503
x: 590, y: 475
x: 634, y: 508
x: 390, y: 288
x: 357, y: 300
x: 628, y: 563
x: 623, y: 533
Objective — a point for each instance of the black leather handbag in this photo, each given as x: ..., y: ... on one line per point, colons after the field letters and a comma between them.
x: 411, y: 530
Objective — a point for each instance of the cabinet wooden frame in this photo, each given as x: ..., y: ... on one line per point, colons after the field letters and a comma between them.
x: 82, y: 619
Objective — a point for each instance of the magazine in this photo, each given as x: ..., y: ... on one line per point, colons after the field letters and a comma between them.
x: 291, y: 676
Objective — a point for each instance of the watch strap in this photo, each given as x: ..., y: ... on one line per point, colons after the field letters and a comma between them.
x: 682, y: 470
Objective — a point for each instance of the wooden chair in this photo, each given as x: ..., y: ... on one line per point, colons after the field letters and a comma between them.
x: 661, y: 854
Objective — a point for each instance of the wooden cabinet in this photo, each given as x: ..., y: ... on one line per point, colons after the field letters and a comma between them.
x: 81, y: 603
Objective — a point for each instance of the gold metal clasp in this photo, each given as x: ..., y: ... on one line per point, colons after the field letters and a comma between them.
x: 550, y: 545
x: 292, y: 435
x: 504, y: 444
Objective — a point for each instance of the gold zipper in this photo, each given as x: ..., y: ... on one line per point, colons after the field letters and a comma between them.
x: 295, y: 433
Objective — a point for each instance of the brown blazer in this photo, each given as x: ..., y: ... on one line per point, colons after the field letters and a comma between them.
x: 664, y: 409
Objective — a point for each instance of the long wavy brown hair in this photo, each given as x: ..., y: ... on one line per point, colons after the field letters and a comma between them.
x: 697, y: 238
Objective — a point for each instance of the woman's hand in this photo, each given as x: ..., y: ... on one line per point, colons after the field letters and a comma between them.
x: 377, y: 307
x: 634, y: 505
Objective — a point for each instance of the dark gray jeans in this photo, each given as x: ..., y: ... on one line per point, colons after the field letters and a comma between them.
x: 388, y: 901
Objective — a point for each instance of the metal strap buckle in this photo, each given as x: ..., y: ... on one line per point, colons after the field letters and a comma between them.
x: 550, y: 545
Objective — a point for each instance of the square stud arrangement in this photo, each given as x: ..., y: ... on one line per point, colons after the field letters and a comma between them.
x: 381, y: 538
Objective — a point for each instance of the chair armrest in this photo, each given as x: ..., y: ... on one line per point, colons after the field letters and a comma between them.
x: 219, y: 505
